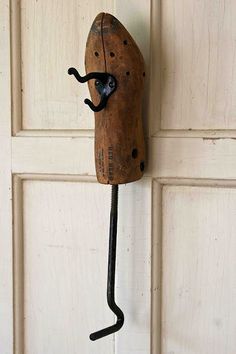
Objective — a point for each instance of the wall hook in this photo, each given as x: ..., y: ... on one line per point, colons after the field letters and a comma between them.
x: 105, y: 85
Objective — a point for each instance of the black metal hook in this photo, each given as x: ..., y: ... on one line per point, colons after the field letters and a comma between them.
x: 111, y: 271
x: 105, y: 85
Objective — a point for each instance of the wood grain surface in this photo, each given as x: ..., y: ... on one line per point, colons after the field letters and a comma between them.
x: 119, y: 140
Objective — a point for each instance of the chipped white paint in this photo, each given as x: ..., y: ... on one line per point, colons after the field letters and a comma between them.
x: 193, y: 158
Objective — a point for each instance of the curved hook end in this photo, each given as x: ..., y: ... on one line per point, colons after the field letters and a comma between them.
x: 70, y: 71
x: 99, y: 107
x: 108, y: 330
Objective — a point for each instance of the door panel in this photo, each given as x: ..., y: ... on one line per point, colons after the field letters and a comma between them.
x: 198, y: 276
x: 65, y: 253
x: 60, y: 262
x: 198, y: 80
x: 47, y: 39
x: 53, y: 36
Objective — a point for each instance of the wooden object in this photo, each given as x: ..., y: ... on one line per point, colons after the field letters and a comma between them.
x: 119, y: 139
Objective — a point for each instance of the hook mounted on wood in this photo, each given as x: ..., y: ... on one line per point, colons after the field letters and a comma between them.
x: 116, y: 64
x: 105, y: 85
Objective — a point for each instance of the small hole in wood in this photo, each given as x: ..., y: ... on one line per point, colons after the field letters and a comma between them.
x: 134, y: 153
x: 142, y: 166
x: 125, y: 42
x: 144, y: 74
x: 96, y: 54
x: 127, y: 73
x: 112, y: 54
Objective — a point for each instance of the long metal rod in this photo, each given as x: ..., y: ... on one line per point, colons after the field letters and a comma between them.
x: 111, y: 271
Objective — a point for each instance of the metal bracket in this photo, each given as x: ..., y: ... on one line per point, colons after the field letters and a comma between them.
x: 105, y: 84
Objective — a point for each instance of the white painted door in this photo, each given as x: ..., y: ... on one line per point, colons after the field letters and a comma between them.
x: 176, y: 259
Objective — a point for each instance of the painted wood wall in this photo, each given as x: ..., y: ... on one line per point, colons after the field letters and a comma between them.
x: 176, y: 240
